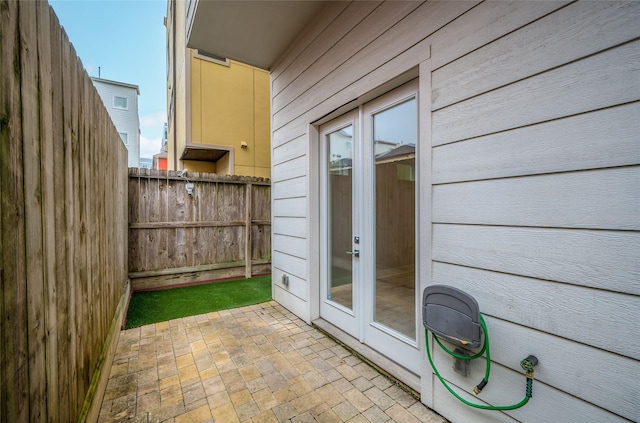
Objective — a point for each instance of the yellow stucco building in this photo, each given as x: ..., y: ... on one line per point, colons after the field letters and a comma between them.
x: 218, y: 109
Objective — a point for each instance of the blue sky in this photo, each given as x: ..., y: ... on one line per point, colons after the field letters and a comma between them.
x: 126, y: 39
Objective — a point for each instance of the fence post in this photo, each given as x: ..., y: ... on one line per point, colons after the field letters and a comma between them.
x: 247, y: 234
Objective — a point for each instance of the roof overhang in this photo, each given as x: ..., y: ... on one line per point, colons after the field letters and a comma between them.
x: 204, y: 152
x: 252, y: 32
x: 121, y: 84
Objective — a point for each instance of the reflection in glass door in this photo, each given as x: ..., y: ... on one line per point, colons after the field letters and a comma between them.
x: 394, y: 146
x: 340, y: 197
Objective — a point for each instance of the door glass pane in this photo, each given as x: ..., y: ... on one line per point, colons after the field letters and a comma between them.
x: 395, y: 132
x: 340, y: 191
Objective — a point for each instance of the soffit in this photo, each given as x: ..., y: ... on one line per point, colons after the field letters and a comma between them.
x: 252, y: 32
x: 203, y: 152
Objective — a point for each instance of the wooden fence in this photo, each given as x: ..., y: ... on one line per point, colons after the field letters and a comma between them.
x: 63, y: 211
x: 222, y: 230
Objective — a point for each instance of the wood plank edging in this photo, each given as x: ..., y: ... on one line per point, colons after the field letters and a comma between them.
x: 93, y: 401
x: 203, y: 224
x: 189, y: 269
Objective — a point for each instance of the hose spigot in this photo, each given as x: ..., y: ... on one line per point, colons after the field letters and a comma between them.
x: 529, y: 363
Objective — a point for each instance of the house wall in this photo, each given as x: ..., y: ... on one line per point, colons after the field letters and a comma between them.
x: 529, y: 200
x: 216, y: 104
x: 125, y: 120
x: 230, y: 105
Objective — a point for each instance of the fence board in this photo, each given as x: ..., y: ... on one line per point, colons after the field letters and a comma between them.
x: 61, y: 306
x: 33, y: 208
x: 14, y: 342
x: 221, y: 231
x: 48, y: 204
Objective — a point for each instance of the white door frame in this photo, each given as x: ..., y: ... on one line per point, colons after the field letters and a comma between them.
x: 359, y: 322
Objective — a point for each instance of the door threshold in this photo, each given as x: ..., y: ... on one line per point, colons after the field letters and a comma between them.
x: 402, y: 377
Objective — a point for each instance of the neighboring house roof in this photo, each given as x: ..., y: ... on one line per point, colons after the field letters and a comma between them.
x: 345, y: 163
x: 404, y: 151
x: 122, y: 84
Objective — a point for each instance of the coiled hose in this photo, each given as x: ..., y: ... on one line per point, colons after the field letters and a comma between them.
x: 527, y: 364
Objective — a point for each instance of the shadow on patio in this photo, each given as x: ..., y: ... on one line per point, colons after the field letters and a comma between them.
x: 253, y: 364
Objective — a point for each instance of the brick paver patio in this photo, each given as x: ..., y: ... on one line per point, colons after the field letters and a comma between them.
x: 252, y: 364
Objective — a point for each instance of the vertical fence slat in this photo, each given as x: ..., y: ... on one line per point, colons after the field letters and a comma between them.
x: 33, y: 210
x: 247, y: 230
x: 47, y: 164
x: 15, y: 396
x: 82, y: 250
x: 70, y: 150
x: 59, y: 173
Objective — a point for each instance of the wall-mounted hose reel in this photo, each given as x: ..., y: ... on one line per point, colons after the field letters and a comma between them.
x: 454, y: 316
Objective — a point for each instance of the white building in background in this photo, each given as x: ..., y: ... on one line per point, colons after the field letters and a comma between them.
x: 121, y: 101
x: 145, y: 163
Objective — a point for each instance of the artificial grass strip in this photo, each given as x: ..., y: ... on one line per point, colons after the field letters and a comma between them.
x: 160, y: 306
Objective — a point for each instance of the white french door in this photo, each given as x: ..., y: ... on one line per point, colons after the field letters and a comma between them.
x: 368, y: 218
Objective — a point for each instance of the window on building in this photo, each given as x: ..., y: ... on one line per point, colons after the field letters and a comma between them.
x: 125, y: 137
x: 120, y: 102
x: 210, y: 57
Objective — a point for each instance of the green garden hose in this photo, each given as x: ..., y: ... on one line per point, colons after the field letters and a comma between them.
x: 527, y: 364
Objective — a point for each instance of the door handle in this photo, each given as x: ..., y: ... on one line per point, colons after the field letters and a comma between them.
x: 355, y: 253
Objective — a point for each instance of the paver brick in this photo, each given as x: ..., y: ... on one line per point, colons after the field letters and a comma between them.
x: 345, y: 410
x: 247, y: 410
x: 225, y: 413
x: 285, y: 411
x: 376, y: 415
x: 249, y: 372
x: 379, y: 398
x: 400, y: 396
x: 307, y: 402
x: 330, y: 395
x: 148, y: 402
x: 241, y: 397
x: 196, y: 404
x: 347, y: 372
x: 358, y: 399
x: 329, y: 416
x: 193, y: 392
x: 400, y: 414
x: 342, y: 385
x: 201, y: 414
x: 265, y: 401
x: 424, y: 414
x: 265, y: 417
x: 218, y: 399
x: 303, y: 418
x: 362, y: 383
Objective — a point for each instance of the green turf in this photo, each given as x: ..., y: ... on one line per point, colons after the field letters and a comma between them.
x: 160, y: 306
